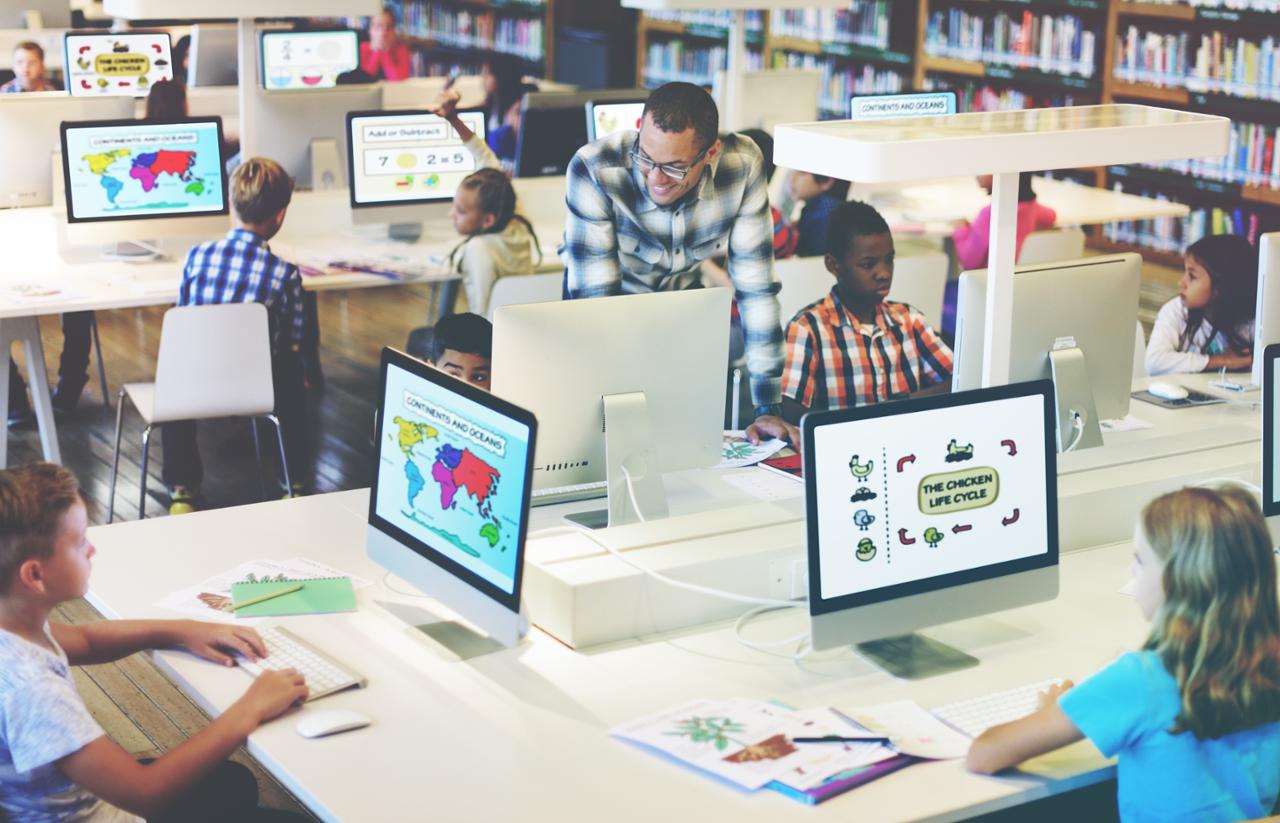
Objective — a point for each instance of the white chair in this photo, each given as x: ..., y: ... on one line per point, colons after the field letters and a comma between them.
x: 918, y: 279
x: 803, y: 280
x: 214, y: 361
x: 1051, y: 246
x: 526, y: 288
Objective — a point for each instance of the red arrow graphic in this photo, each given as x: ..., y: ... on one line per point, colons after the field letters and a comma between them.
x: 156, y: 48
x: 83, y: 49
x: 957, y: 529
x: 902, y: 461
x: 84, y: 84
x: 1011, y: 519
x: 1011, y: 446
x: 903, y: 539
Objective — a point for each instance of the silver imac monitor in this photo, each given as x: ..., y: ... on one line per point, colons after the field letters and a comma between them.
x: 297, y: 128
x: 927, y: 511
x: 626, y: 388
x: 1266, y: 329
x: 773, y: 96
x: 214, y: 56
x: 449, y: 507
x: 1270, y: 360
x: 1072, y: 322
x: 35, y: 14
x: 29, y: 125
x: 604, y: 119
x: 552, y: 127
x: 128, y: 64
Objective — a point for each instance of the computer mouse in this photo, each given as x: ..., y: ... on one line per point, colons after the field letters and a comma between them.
x: 330, y: 721
x: 1167, y: 391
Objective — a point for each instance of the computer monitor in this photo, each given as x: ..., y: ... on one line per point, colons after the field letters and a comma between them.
x: 925, y: 511
x: 214, y: 56
x: 108, y: 63
x: 1266, y: 323
x: 604, y: 119
x: 35, y: 14
x: 626, y: 388
x: 1073, y: 322
x: 913, y: 104
x: 1270, y: 360
x: 449, y: 507
x: 773, y: 96
x: 552, y: 127
x: 406, y: 158
x: 29, y: 125
x: 299, y: 60
x: 292, y: 128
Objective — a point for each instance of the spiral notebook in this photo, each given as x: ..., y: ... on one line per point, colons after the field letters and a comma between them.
x: 321, y: 595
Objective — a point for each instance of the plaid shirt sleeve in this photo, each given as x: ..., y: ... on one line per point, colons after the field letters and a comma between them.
x: 590, y: 237
x: 803, y: 362
x: 751, y: 269
x: 936, y: 362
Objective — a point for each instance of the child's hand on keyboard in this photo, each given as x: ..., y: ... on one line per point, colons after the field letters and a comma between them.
x: 1050, y: 696
x: 272, y: 694
x: 219, y: 642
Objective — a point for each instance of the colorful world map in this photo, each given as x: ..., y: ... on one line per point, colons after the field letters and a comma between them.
x: 147, y: 168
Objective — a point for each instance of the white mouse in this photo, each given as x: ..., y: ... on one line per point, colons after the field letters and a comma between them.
x: 1167, y: 391
x: 330, y: 721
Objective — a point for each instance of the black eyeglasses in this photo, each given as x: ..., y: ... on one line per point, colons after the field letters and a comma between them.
x: 674, y: 172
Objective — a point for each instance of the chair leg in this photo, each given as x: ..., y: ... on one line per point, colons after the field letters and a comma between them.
x: 102, y: 366
x: 257, y: 453
x: 115, y: 458
x: 284, y: 461
x: 142, y: 482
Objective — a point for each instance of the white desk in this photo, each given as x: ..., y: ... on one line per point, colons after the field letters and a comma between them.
x: 521, y: 734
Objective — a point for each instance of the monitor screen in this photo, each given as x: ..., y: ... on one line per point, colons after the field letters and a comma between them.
x: 1270, y: 413
x: 294, y: 60
x: 606, y: 118
x: 918, y: 495
x: 919, y: 104
x: 407, y: 156
x: 117, y: 64
x: 453, y: 475
x: 117, y: 170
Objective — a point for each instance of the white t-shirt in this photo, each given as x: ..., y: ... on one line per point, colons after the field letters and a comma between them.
x: 1163, y: 354
x: 42, y: 720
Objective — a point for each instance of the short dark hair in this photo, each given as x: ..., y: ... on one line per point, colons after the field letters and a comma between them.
x: 33, y: 499
x: 849, y: 220
x: 839, y: 188
x: 675, y: 107
x: 467, y: 333
x: 764, y: 142
x: 167, y: 100
x: 260, y: 188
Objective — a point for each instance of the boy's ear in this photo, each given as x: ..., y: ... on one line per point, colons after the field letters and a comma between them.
x: 833, y: 265
x: 29, y: 576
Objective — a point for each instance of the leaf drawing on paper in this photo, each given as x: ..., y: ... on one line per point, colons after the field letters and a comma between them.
x: 713, y: 730
x: 736, y: 450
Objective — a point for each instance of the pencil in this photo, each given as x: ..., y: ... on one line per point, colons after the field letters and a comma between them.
x: 297, y: 587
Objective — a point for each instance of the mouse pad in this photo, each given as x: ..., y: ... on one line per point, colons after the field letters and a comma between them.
x: 1193, y: 398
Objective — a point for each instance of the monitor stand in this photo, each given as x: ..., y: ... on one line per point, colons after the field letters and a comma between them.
x: 326, y: 164
x: 452, y: 640
x: 1077, y: 415
x: 134, y: 251
x: 628, y: 443
x: 914, y: 656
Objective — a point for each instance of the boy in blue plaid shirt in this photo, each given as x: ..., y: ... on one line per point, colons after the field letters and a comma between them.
x: 241, y: 268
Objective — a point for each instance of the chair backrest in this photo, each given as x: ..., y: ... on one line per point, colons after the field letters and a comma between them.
x: 525, y: 288
x: 803, y: 280
x: 1051, y: 246
x: 215, y: 361
x: 1139, y: 352
x: 918, y: 279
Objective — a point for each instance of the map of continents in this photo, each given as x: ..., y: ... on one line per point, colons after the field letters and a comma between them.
x: 146, y: 168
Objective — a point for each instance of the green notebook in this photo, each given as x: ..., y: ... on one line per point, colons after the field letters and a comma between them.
x: 319, y: 596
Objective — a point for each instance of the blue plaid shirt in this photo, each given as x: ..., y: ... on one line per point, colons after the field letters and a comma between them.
x: 618, y: 241
x: 241, y: 268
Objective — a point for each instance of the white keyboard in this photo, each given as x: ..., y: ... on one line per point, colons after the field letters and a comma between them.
x: 976, y: 715
x: 567, y: 494
x: 285, y: 650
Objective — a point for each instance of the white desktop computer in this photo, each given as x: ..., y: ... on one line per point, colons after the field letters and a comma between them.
x: 29, y: 126
x: 774, y: 96
x: 449, y: 507
x: 106, y: 64
x: 604, y: 119
x: 552, y: 127
x: 626, y: 388
x: 927, y: 511
x: 1073, y: 322
x: 1270, y: 362
x: 300, y: 60
x: 1266, y: 328
x: 213, y: 57
x: 305, y: 131
x: 35, y: 14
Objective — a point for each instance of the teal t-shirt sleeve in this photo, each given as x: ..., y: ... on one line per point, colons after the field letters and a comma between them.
x: 1109, y: 708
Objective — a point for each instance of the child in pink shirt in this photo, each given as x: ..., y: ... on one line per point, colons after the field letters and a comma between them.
x: 972, y: 239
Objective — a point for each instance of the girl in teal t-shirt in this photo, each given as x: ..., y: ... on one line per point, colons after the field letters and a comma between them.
x: 1193, y: 715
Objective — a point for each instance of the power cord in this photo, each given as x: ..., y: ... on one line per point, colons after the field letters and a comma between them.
x: 631, y: 492
x: 1077, y: 426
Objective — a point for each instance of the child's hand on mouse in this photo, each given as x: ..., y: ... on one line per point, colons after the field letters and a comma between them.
x: 271, y: 695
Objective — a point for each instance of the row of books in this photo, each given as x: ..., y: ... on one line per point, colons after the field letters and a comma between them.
x: 1212, y: 61
x: 431, y: 65
x: 671, y: 60
x: 1232, y: 5
x: 1251, y: 158
x: 1060, y: 43
x: 977, y: 95
x: 1174, y: 234
x: 864, y: 23
x: 720, y: 19
x: 842, y: 81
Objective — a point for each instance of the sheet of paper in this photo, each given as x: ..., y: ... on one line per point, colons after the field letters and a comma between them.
x: 1128, y: 423
x: 737, y: 453
x: 211, y: 599
x: 764, y: 485
x: 913, y: 730
x: 825, y: 760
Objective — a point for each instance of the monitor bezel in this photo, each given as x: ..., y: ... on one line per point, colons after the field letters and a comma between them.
x: 1269, y: 408
x: 955, y: 101
x: 418, y: 368
x: 395, y: 114
x: 590, y: 108
x: 66, y: 58
x: 814, y: 420
x: 92, y: 124
x: 262, y: 57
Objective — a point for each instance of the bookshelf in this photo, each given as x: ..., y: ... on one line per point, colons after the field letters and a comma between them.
x: 462, y: 35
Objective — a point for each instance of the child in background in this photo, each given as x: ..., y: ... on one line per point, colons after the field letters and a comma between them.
x: 973, y: 240
x: 821, y: 195
x: 1209, y: 325
x: 499, y: 240
x: 56, y: 763
x: 1194, y: 715
x: 28, y: 70
x: 167, y: 100
x: 506, y: 138
x: 462, y: 346
x: 384, y: 56
x: 853, y: 347
x: 504, y: 85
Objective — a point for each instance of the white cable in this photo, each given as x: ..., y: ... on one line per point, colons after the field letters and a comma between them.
x: 1077, y: 425
x: 631, y: 492
x: 775, y: 644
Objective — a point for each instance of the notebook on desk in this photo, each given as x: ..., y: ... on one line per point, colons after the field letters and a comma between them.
x: 323, y: 595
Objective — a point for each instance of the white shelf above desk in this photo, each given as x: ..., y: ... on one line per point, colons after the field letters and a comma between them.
x: 167, y: 9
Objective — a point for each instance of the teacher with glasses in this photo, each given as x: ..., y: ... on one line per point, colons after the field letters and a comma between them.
x: 646, y: 208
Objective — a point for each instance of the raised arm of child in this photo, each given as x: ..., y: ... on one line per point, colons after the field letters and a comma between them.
x: 447, y: 107
x: 1009, y: 744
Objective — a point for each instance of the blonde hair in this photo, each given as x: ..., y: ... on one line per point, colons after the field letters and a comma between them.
x: 260, y: 188
x: 33, y: 500
x: 1218, y: 630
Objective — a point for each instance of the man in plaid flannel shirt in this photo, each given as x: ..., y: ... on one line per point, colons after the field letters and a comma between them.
x: 646, y: 208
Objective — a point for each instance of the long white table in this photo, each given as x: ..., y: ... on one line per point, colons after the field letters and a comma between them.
x: 522, y: 733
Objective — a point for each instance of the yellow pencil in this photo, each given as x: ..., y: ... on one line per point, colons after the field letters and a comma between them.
x: 297, y: 587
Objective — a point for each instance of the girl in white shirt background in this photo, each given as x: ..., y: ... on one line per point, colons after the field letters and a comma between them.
x: 1209, y: 325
